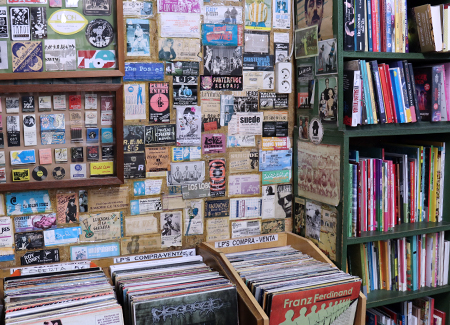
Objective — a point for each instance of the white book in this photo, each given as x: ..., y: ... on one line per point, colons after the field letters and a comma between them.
x: 446, y: 261
x: 436, y: 22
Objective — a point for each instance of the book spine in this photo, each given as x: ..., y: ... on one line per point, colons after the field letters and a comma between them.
x: 388, y: 25
x: 405, y: 26
x: 350, y: 101
x: 397, y: 26
x: 404, y: 92
x: 409, y: 279
x: 368, y: 102
x: 374, y: 25
x: 414, y: 91
x: 355, y: 199
x: 350, y: 202
x: 359, y: 220
x: 349, y: 29
x: 369, y: 24
x: 391, y: 95
x: 360, y: 26
x: 436, y: 94
x: 393, y: 25
x: 386, y: 92
x: 378, y: 92
x: 410, y: 87
x: 383, y: 25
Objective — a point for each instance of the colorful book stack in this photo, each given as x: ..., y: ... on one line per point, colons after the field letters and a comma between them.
x: 379, y: 93
x: 417, y: 311
x: 395, y: 184
x: 392, y: 26
x: 404, y: 264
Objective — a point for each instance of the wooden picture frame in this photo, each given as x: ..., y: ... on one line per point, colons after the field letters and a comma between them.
x: 119, y: 71
x: 50, y: 182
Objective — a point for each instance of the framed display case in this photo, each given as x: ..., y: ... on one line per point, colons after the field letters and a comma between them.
x: 58, y: 136
x: 42, y: 39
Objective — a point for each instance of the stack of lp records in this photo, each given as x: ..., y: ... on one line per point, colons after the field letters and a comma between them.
x: 174, y: 291
x: 70, y: 297
x: 294, y: 288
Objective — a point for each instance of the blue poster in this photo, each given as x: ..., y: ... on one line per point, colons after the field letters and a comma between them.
x: 275, y: 160
x: 62, y: 236
x: 94, y: 251
x: 144, y: 71
x: 32, y: 202
x: 139, y: 188
x: 134, y: 207
x: 221, y: 34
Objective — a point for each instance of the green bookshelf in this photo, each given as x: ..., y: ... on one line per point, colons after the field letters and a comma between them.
x: 346, y: 137
x: 400, y: 231
x: 384, y: 297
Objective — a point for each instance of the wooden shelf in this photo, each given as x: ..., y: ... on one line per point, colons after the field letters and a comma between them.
x: 403, y: 230
x: 395, y: 56
x: 397, y: 129
x: 251, y: 312
x: 378, y: 298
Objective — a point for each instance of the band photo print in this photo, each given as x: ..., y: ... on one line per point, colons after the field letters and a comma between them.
x: 223, y: 60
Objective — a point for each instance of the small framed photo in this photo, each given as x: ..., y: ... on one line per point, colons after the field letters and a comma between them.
x: 327, y: 102
x: 306, y: 43
x: 326, y: 61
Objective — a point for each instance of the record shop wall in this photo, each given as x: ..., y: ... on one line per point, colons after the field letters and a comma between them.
x: 191, y: 240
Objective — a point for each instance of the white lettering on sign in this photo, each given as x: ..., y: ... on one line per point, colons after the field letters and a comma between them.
x: 246, y: 241
x: 155, y: 256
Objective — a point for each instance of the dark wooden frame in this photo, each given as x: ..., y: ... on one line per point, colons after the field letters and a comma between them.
x: 118, y: 126
x: 118, y: 72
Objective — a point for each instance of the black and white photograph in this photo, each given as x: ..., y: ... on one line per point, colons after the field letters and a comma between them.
x: 38, y: 22
x: 83, y: 200
x: 97, y: 7
x: 12, y: 105
x: 171, y: 227
x: 138, y: 37
x: 268, y: 80
x: 222, y: 60
x: 283, y: 201
x: 256, y: 42
x: 185, y: 90
x: 248, y: 103
x: 184, y: 173
x: 326, y: 61
x: 60, y: 55
x: 313, y: 221
x: 29, y: 240
x: 328, y: 94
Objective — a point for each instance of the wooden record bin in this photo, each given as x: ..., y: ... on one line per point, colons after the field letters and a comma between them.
x: 250, y: 312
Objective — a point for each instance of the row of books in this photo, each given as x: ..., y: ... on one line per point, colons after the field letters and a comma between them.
x: 174, y: 291
x: 395, y: 184
x: 294, y: 288
x: 404, y: 264
x: 376, y: 25
x: 420, y: 311
x: 392, y: 26
x: 379, y: 93
x: 81, y: 296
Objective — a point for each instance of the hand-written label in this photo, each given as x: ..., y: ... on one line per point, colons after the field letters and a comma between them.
x: 246, y: 241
